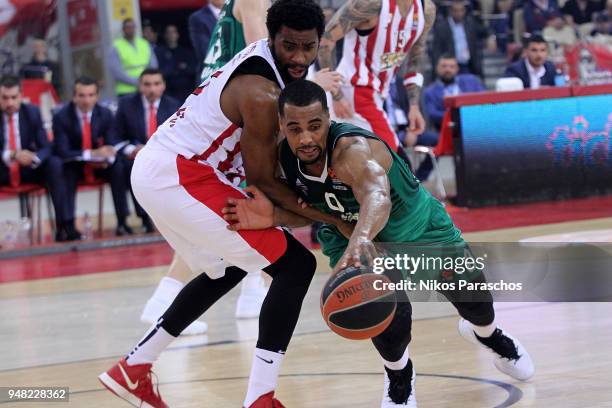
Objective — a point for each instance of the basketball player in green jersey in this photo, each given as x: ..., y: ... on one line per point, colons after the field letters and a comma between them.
x: 347, y: 171
x: 240, y: 22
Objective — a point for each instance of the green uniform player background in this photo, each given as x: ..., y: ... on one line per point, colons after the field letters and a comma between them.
x: 226, y: 40
x: 418, y: 224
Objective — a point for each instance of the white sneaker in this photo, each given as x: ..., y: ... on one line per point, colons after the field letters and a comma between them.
x: 399, y: 387
x: 510, y: 357
x: 252, y: 295
x: 155, y: 308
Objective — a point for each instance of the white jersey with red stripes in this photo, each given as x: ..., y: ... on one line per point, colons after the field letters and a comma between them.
x: 372, y: 60
x: 200, y: 130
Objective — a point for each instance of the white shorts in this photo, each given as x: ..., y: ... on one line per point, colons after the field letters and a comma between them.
x: 184, y: 199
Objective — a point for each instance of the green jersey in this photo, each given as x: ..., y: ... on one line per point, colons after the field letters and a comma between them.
x: 416, y: 216
x: 226, y: 40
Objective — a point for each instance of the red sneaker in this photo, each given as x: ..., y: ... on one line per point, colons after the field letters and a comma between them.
x: 267, y: 401
x: 133, y: 384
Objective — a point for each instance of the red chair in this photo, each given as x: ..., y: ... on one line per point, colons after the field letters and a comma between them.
x: 29, y: 199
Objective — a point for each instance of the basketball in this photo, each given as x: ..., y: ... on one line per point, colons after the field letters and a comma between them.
x: 353, y: 308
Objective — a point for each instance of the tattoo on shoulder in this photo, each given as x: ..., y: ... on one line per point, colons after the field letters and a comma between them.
x: 350, y: 15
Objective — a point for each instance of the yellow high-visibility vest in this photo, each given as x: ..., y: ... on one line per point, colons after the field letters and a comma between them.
x: 134, y: 59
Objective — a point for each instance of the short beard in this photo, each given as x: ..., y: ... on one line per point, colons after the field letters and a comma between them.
x: 283, y: 70
x: 447, y: 81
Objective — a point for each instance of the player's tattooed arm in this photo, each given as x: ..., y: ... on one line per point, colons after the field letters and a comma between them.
x: 352, y: 14
x: 414, y: 59
x: 356, y: 165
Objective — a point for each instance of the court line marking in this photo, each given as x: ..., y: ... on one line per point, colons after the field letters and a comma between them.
x: 235, y: 341
x: 514, y: 393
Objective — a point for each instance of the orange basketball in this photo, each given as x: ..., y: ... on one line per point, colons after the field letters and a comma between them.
x: 354, y: 307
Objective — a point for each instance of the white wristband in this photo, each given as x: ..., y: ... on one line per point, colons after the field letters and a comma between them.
x: 414, y: 78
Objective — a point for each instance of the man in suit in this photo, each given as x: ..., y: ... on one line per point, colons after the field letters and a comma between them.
x: 201, y: 25
x: 449, y: 83
x: 83, y: 139
x: 460, y: 35
x: 534, y: 70
x: 137, y: 118
x: 26, y: 153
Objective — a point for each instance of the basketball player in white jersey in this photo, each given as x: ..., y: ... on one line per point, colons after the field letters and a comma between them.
x: 380, y: 38
x: 239, y: 18
x: 224, y: 133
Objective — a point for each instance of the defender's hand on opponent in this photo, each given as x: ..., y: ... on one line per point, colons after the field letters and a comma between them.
x: 249, y: 213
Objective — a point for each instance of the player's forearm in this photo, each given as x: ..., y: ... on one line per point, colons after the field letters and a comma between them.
x: 373, y: 214
x: 286, y: 218
x: 327, y: 54
x: 282, y: 196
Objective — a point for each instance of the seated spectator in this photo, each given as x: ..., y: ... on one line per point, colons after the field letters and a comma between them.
x: 501, y: 24
x: 177, y: 64
x: 26, y: 153
x: 83, y: 139
x: 534, y: 69
x: 558, y: 33
x: 537, y: 13
x: 41, y: 67
x: 449, y: 83
x: 137, y: 118
x: 460, y: 35
x: 580, y: 11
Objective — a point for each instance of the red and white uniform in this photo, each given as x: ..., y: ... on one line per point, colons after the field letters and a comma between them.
x: 370, y: 62
x: 187, y: 170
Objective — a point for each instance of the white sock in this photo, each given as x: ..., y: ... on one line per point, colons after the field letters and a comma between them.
x: 399, y: 364
x: 484, y: 331
x: 251, y: 282
x: 150, y: 346
x: 264, y: 374
x: 167, y: 290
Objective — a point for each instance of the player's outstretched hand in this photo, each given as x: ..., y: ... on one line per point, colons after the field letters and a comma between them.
x: 256, y: 212
x: 357, y: 249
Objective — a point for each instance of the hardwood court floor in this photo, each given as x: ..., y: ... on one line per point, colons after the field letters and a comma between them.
x: 65, y: 331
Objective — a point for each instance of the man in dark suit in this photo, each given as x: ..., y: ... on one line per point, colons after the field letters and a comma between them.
x: 137, y: 118
x: 460, y: 35
x: 534, y: 70
x: 26, y: 153
x: 83, y: 139
x: 201, y: 25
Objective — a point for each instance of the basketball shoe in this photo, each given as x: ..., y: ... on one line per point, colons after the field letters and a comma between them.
x: 510, y: 357
x: 267, y: 401
x: 399, y: 387
x: 133, y: 384
x: 252, y: 294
